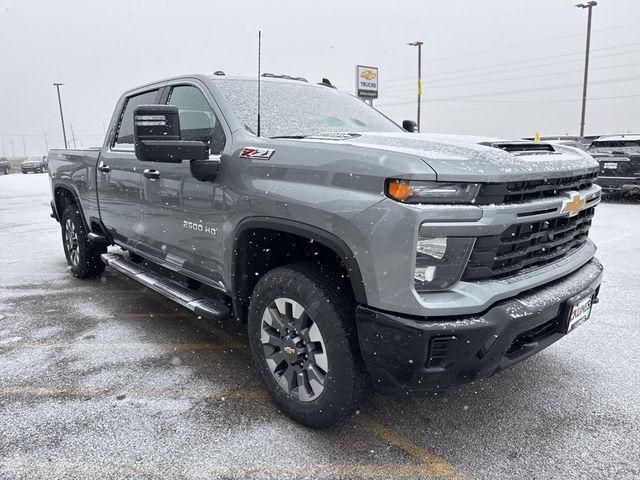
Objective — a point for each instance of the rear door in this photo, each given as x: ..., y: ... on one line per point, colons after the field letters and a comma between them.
x: 119, y: 177
x: 183, y: 215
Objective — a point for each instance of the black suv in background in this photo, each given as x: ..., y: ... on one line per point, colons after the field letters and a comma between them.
x: 619, y: 159
x: 4, y: 166
x: 35, y: 164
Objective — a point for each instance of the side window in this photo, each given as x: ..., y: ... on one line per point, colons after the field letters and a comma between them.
x: 197, y: 120
x: 125, y: 129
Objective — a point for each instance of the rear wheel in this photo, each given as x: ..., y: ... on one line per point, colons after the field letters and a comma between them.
x: 82, y: 256
x: 303, y: 342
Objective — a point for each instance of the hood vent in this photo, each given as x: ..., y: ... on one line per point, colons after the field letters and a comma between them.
x: 522, y: 147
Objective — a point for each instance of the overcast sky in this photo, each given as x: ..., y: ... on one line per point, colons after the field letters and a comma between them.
x: 495, y: 67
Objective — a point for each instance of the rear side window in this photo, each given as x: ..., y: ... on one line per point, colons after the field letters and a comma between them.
x: 125, y: 129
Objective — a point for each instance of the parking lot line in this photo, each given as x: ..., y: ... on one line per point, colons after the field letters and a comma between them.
x: 354, y: 471
x: 432, y: 464
x: 72, y: 392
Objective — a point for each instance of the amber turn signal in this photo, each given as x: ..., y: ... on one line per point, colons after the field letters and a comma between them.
x: 398, y: 190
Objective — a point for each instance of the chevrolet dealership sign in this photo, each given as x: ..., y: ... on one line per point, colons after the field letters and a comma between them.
x: 367, y: 81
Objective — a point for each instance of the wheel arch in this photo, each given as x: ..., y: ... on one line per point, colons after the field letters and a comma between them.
x: 242, y: 283
x: 64, y: 195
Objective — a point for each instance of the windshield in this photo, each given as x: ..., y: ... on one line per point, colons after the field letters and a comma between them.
x: 34, y: 159
x: 608, y: 146
x: 300, y: 109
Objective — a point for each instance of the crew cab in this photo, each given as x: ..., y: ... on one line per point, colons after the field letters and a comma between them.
x: 358, y: 254
x: 619, y: 159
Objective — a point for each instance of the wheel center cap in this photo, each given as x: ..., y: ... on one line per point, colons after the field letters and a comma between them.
x: 292, y: 351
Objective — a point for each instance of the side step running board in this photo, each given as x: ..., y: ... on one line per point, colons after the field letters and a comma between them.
x: 197, y: 303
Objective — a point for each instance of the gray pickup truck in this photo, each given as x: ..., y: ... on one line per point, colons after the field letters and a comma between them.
x: 360, y: 255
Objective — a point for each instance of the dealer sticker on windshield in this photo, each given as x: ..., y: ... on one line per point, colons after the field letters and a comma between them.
x: 579, y: 313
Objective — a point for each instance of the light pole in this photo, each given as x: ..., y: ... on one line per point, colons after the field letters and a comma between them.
x: 419, y: 45
x: 64, y: 133
x: 589, y: 6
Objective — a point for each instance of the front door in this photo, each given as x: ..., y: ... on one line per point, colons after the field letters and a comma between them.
x: 120, y: 181
x: 182, y: 215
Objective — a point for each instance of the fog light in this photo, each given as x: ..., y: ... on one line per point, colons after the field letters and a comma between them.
x: 433, y: 247
x: 440, y: 262
x: 424, y: 274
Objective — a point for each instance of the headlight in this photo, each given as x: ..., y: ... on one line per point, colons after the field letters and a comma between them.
x: 413, y: 191
x: 440, y: 261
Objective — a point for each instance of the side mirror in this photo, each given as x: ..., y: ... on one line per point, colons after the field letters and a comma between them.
x: 156, y: 134
x: 410, y: 126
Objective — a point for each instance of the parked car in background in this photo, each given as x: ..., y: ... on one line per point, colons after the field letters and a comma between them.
x: 5, y: 167
x: 619, y: 159
x: 35, y: 164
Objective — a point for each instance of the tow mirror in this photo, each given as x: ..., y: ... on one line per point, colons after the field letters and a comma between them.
x: 156, y: 133
x: 410, y: 126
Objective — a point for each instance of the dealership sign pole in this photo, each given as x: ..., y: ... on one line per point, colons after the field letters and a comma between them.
x: 367, y: 83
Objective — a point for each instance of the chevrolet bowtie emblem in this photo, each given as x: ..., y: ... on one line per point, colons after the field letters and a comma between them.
x: 289, y: 350
x: 574, y: 205
x: 368, y: 74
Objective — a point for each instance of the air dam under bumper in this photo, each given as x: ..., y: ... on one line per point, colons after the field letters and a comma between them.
x: 406, y: 355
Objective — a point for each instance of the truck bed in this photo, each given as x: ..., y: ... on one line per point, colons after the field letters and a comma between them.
x: 76, y: 170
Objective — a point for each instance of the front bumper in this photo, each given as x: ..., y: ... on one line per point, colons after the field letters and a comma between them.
x: 416, y: 354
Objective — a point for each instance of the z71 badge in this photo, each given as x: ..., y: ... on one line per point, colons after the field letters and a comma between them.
x: 257, y: 153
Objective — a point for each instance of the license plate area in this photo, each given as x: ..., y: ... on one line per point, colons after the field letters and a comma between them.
x: 577, y: 311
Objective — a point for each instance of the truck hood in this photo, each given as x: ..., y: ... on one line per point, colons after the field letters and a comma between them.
x: 473, y: 158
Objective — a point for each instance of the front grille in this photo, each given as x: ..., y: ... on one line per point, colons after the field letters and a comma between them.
x: 527, y: 245
x: 517, y: 192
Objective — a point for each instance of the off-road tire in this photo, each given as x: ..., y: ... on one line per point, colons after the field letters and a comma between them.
x: 331, y: 307
x: 82, y: 256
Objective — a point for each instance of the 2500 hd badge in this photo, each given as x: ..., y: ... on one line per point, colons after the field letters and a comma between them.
x: 199, y: 227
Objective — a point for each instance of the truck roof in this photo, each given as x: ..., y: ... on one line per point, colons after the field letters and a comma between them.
x: 218, y: 78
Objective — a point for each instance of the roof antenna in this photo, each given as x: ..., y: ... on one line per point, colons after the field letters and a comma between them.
x: 259, y: 48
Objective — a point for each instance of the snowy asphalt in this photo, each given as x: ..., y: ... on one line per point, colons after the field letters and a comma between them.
x: 106, y: 379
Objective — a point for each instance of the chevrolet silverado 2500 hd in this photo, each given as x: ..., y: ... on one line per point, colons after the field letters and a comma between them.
x: 359, y: 254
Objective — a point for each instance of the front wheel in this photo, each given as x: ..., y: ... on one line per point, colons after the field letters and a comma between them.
x: 303, y: 342
x: 82, y: 256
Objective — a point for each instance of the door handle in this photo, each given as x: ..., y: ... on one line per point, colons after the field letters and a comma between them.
x: 104, y: 168
x: 151, y: 174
